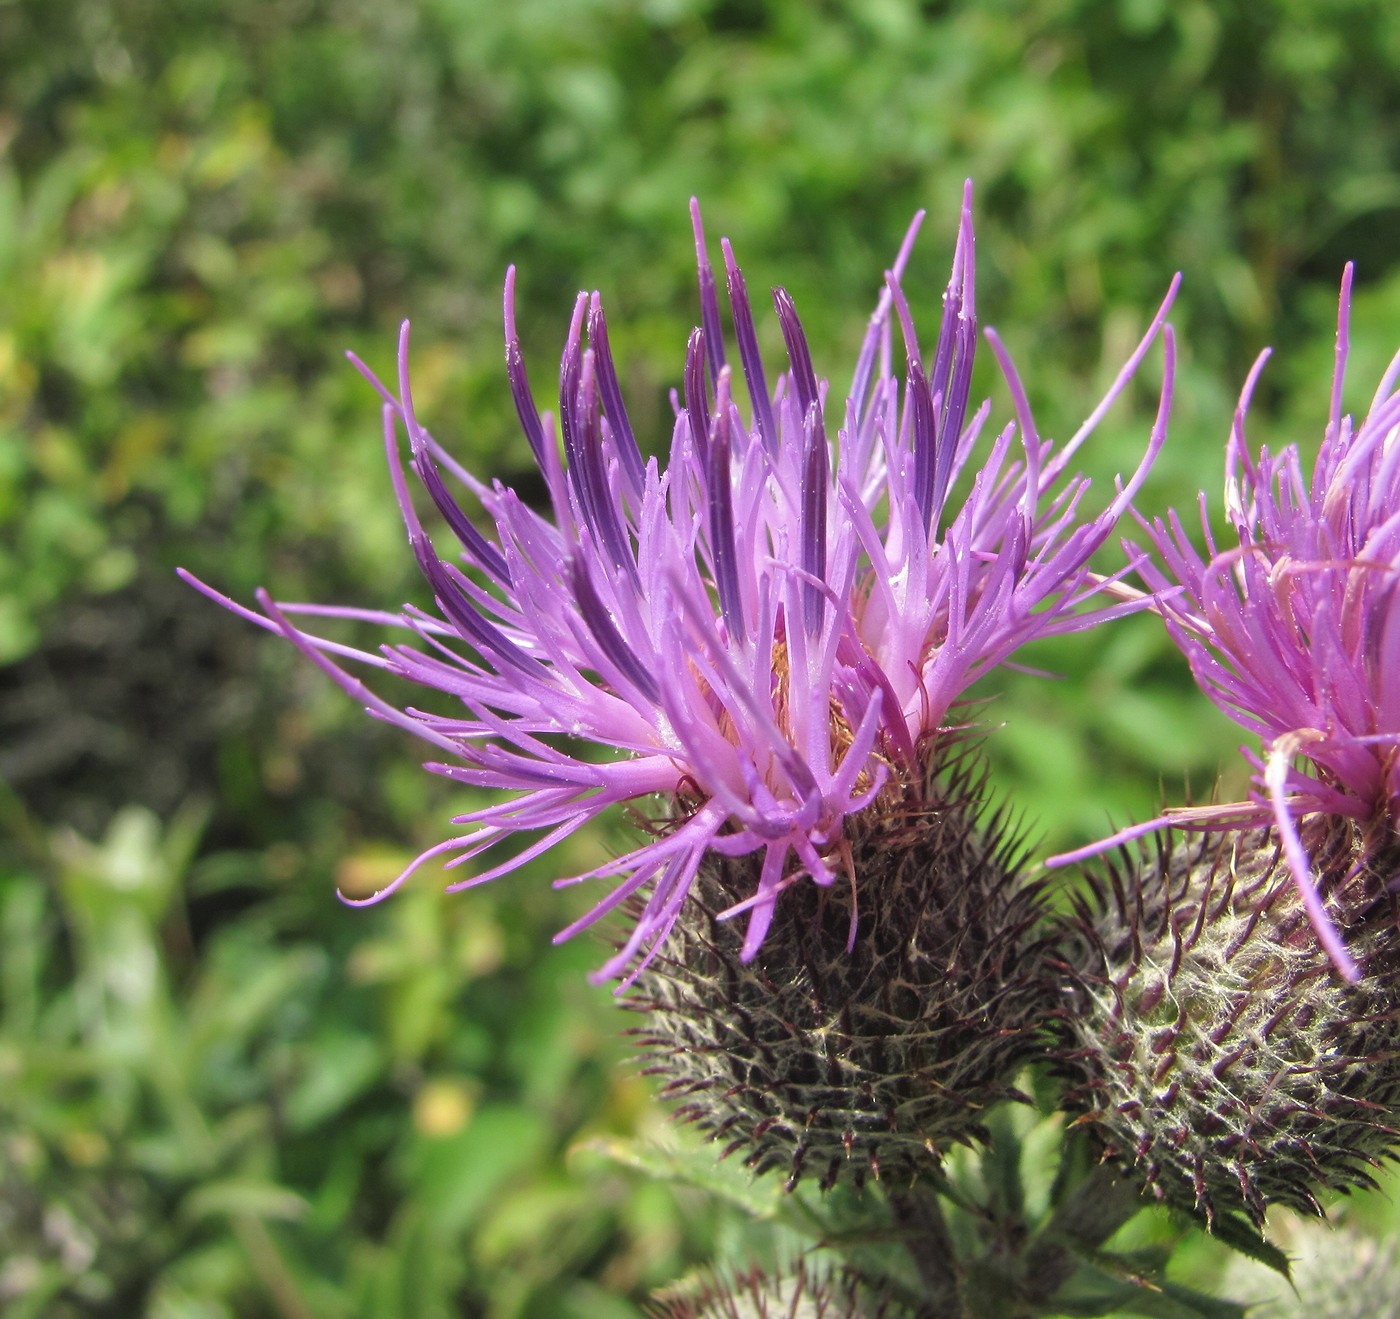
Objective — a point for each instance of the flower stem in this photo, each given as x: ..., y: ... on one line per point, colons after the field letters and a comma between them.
x: 1091, y: 1213
x: 926, y: 1238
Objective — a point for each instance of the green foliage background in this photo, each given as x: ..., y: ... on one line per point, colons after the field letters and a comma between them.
x: 221, y: 1092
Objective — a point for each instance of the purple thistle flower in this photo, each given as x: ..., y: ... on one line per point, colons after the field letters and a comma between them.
x: 1295, y: 633
x: 762, y: 633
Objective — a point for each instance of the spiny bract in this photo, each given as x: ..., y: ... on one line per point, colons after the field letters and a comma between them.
x: 1214, y: 1046
x: 837, y: 1059
x: 755, y: 1294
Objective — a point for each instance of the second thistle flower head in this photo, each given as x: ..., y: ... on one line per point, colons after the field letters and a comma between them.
x: 1295, y: 631
x: 763, y: 631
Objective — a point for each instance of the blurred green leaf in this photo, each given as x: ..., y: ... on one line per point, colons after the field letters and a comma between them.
x: 258, y: 1199
x: 459, y: 1176
x: 339, y: 1067
x: 760, y: 1198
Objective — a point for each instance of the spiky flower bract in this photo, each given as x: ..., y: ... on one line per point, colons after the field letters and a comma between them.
x: 834, y: 1062
x: 758, y: 635
x: 755, y: 1294
x: 1336, y: 1272
x: 1209, y: 1045
x: 1295, y: 631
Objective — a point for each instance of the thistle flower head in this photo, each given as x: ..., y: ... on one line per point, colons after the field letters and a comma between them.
x: 806, y: 1293
x: 1294, y: 632
x: 831, y: 1061
x: 762, y: 631
x: 1209, y: 1048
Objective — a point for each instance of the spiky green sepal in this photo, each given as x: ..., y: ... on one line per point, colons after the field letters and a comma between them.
x: 1212, y: 1045
x: 838, y: 1061
x: 754, y: 1294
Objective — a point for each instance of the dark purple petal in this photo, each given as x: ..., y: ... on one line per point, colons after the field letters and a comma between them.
x: 816, y: 483
x: 448, y: 584
x: 925, y: 442
x: 927, y: 435
x: 597, y: 492
x: 799, y: 356
x: 954, y: 408
x: 476, y: 545
x: 697, y: 407
x: 492, y: 643
x: 613, y: 406
x: 721, y: 500
x: 747, y: 336
x: 570, y: 380
x: 519, y: 381
x: 605, y: 632
x: 709, y: 298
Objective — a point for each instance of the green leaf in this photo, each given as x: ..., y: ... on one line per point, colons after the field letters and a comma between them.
x: 1094, y: 1294
x: 244, y: 1196
x: 340, y: 1065
x: 458, y: 1176
x: 759, y: 1197
x: 1198, y: 1303
x: 1244, y: 1238
x: 1146, y: 1291
x: 1001, y: 1165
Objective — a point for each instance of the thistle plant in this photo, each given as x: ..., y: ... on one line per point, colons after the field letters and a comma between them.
x: 1237, y: 1029
x: 842, y: 964
x: 1291, y: 632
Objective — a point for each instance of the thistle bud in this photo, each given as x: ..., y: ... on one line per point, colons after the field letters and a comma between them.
x: 1217, y: 1050
x: 1335, y: 1274
x: 754, y: 1294
x: 880, y: 1018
